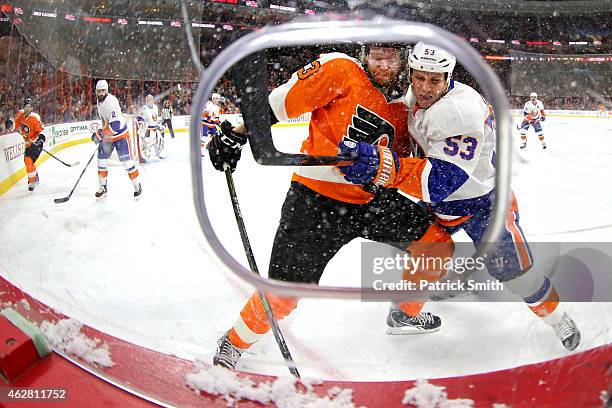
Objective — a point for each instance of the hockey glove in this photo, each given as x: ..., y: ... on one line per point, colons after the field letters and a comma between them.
x: 368, y: 166
x: 225, y: 147
x: 96, y: 137
x: 40, y: 140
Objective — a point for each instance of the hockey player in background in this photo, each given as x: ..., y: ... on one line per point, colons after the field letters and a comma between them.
x: 114, y: 134
x: 322, y: 211
x: 150, y: 115
x: 30, y: 127
x: 210, y: 120
x: 166, y: 115
x: 534, y: 115
x: 454, y: 128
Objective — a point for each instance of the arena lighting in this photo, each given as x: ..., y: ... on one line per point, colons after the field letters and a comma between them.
x: 537, y: 42
x: 150, y: 22
x: 98, y: 19
x: 44, y: 14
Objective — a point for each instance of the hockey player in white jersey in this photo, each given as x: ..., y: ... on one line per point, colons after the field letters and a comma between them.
x: 455, y: 129
x: 114, y: 134
x: 149, y: 113
x: 210, y: 120
x: 534, y: 115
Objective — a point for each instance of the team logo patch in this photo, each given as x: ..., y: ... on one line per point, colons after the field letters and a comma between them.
x: 369, y: 127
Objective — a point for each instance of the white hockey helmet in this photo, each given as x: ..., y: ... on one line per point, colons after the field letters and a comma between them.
x: 215, y: 97
x: 533, y: 95
x: 102, y: 84
x: 430, y: 58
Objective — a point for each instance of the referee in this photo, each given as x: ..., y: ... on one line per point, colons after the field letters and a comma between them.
x: 166, y: 114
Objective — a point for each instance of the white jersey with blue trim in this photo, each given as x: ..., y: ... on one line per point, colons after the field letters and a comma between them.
x: 457, y: 136
x: 150, y: 114
x: 110, y: 113
x: 533, y: 109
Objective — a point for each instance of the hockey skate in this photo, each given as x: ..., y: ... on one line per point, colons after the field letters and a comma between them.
x: 101, y: 193
x: 543, y: 146
x: 138, y: 192
x: 567, y: 331
x: 399, y: 322
x: 34, y: 183
x: 227, y: 354
x: 523, y: 145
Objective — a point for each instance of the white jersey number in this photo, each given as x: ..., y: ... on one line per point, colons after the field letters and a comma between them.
x: 466, y: 150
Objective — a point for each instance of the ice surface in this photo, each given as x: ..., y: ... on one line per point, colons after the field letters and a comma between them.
x: 143, y: 271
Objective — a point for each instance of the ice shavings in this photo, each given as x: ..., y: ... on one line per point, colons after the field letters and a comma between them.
x: 284, y: 392
x: 426, y: 395
x: 66, y: 336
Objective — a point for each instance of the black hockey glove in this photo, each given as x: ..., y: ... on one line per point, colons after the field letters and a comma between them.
x: 40, y: 140
x: 225, y: 147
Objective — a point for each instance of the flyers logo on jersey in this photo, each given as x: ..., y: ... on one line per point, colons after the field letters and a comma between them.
x: 309, y: 69
x: 368, y: 127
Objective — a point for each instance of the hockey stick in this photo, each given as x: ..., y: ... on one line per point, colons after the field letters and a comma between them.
x: 280, y: 340
x: 64, y: 199
x: 52, y: 155
x: 61, y: 161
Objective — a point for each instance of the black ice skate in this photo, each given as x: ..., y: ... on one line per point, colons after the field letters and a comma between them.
x: 399, y: 322
x: 523, y: 145
x: 567, y: 331
x: 227, y: 354
x: 138, y: 192
x: 543, y: 146
x: 101, y: 193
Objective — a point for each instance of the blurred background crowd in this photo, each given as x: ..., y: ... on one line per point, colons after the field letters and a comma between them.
x: 563, y: 55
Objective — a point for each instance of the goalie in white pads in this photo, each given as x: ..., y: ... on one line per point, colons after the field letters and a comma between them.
x: 454, y: 127
x: 534, y: 116
x: 114, y: 134
x: 154, y: 133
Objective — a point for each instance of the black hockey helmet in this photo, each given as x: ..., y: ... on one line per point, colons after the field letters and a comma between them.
x: 28, y: 101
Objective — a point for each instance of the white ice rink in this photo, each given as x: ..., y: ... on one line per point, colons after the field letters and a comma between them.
x: 142, y: 270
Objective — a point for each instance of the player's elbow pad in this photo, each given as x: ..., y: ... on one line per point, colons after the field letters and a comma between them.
x: 444, y: 179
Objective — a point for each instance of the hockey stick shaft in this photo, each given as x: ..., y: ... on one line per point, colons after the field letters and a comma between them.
x: 280, y: 340
x: 64, y: 199
x: 49, y: 153
x: 59, y: 160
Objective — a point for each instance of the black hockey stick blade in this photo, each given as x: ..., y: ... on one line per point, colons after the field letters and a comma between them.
x: 64, y: 199
x: 61, y: 200
x: 251, y: 78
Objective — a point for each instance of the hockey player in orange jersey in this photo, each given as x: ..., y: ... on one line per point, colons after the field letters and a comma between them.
x: 29, y: 125
x: 323, y: 211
